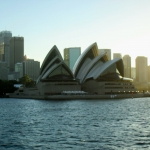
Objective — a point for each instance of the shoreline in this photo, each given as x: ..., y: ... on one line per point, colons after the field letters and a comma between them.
x: 73, y: 97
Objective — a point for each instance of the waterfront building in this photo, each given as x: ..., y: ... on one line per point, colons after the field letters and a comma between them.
x: 71, y: 55
x: 141, y: 69
x: 117, y: 55
x: 127, y: 66
x: 31, y: 68
x: 108, y: 52
x: 92, y: 73
x: 16, y: 51
x: 133, y: 73
x: 3, y: 71
x: 5, y: 36
x: 98, y: 75
x: 55, y: 76
x: 19, y: 68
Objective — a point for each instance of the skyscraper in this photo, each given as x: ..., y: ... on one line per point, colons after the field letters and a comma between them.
x: 108, y: 52
x: 71, y: 55
x: 141, y: 69
x: 5, y: 36
x: 117, y: 55
x: 16, y: 51
x: 127, y: 66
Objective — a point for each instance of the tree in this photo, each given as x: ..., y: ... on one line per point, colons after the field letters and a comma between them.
x: 27, y: 81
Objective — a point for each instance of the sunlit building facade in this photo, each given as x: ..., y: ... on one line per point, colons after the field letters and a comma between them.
x: 71, y: 55
x: 5, y: 36
x: 141, y: 69
x: 127, y: 66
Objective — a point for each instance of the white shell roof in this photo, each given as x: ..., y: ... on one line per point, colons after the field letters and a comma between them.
x: 99, y: 69
x: 87, y: 69
x: 94, y: 51
x: 54, y: 51
x: 51, y: 62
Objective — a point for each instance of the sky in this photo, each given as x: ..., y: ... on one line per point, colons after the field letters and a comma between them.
x: 120, y: 25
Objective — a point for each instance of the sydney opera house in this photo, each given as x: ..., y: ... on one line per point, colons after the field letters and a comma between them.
x: 93, y: 73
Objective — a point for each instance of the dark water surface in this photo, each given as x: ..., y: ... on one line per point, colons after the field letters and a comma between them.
x: 77, y: 124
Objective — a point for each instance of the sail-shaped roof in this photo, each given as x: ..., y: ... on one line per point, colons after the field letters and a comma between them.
x: 51, y: 54
x: 58, y: 71
x: 97, y: 70
x: 87, y: 69
x: 90, y: 53
x: 54, y: 68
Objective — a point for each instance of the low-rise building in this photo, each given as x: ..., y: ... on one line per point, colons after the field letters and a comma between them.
x: 31, y: 68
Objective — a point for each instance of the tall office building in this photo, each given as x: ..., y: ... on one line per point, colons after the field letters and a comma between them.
x: 31, y: 68
x: 16, y: 51
x: 3, y: 71
x: 108, y: 52
x: 141, y: 69
x: 127, y: 66
x: 133, y: 73
x: 71, y: 55
x: 5, y: 36
x: 117, y: 55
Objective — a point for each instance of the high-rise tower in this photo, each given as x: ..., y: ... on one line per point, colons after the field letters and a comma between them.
x: 16, y: 51
x: 141, y: 69
x: 5, y: 36
x: 127, y: 66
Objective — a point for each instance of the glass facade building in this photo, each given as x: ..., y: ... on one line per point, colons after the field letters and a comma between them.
x: 5, y: 36
x: 71, y: 55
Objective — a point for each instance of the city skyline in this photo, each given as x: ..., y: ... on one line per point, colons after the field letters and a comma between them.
x: 122, y: 26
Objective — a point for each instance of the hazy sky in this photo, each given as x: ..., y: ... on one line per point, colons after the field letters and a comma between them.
x: 120, y: 25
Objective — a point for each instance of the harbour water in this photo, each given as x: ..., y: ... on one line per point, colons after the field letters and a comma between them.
x: 120, y: 124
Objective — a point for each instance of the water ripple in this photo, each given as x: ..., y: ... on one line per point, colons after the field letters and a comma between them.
x: 77, y: 124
